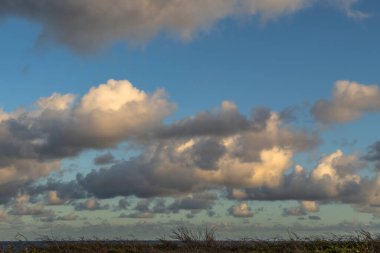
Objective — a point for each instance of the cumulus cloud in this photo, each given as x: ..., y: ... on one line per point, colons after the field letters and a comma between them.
x: 53, y: 198
x: 328, y: 180
x: 85, y: 25
x: 252, y: 158
x: 172, y: 166
x: 243, y: 210
x: 350, y: 101
x: 304, y: 208
x: 33, y: 142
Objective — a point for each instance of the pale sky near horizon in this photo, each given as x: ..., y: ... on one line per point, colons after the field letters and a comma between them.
x: 125, y: 118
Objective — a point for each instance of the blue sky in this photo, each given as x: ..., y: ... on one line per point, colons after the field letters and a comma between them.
x: 172, y: 154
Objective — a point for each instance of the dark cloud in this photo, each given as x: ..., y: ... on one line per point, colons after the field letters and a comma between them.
x: 293, y: 212
x: 373, y: 154
x: 134, y: 177
x: 223, y: 121
x: 123, y: 204
x: 65, y: 190
x: 195, y: 203
x: 207, y: 153
x: 104, y: 159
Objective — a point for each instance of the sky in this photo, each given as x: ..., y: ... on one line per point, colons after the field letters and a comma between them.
x: 127, y: 119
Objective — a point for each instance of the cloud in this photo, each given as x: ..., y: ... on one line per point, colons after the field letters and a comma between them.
x: 194, y: 203
x: 86, y: 25
x: 243, y: 210
x: 304, y: 208
x: 373, y: 154
x: 33, y: 210
x: 314, y: 217
x: 251, y: 158
x: 53, y: 218
x: 347, y: 7
x: 106, y: 115
x: 350, y: 101
x: 33, y: 142
x: 138, y: 215
x: 143, y: 210
x: 64, y: 190
x: 328, y: 181
x: 91, y: 204
x: 104, y: 159
x: 310, y: 206
x: 172, y: 166
x: 222, y: 121
x: 53, y: 198
x: 122, y: 204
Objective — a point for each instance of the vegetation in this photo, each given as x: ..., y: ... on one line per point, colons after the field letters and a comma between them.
x: 185, y: 240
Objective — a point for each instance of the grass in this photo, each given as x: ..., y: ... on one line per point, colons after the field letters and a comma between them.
x: 185, y: 240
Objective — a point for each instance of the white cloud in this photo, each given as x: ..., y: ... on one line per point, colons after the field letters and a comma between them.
x: 56, y: 102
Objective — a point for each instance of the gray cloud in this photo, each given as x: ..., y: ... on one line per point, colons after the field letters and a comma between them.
x: 65, y: 190
x: 314, y: 217
x: 195, y: 203
x: 373, y: 154
x: 144, y: 209
x: 85, y: 25
x: 104, y: 159
x: 123, y: 204
x: 223, y: 121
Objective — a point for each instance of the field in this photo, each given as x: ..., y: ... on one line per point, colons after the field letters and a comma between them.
x: 185, y: 240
